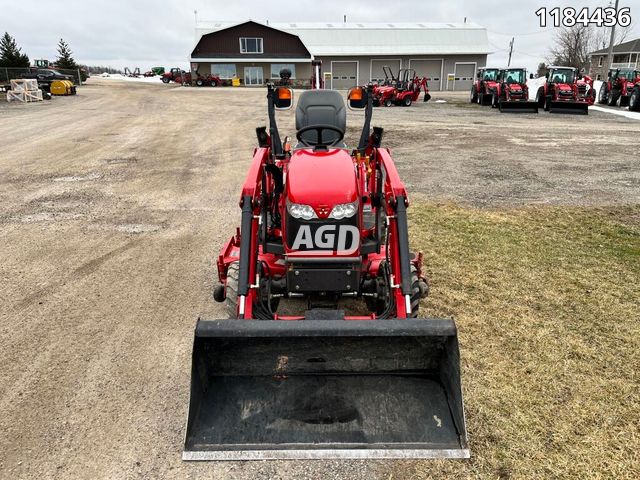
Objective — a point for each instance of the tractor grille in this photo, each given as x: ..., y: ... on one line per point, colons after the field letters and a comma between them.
x: 294, y: 225
x: 582, y: 90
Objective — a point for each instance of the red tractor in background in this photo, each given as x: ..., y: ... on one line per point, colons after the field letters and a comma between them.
x: 617, y: 89
x: 485, y: 86
x: 585, y: 89
x: 512, y: 92
x: 560, y: 92
x: 178, y: 75
x: 403, y: 90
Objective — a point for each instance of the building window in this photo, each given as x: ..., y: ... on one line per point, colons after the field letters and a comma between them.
x: 598, y: 77
x: 600, y: 60
x: 621, y: 58
x: 251, y: 45
x: 224, y: 70
x: 276, y: 67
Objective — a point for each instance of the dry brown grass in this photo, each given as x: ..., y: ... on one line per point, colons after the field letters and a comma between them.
x: 547, y: 306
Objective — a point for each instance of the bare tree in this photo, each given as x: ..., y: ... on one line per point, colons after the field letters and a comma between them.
x: 573, y: 45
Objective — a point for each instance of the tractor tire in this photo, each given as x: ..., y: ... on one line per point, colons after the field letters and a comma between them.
x: 634, y: 99
x: 165, y: 80
x: 603, y: 94
x: 481, y: 98
x: 406, y: 101
x: 419, y: 290
x: 473, y: 97
x: 540, y: 98
x: 547, y: 103
x: 199, y: 82
x: 213, y: 83
x: 494, y: 101
x: 614, y: 96
x: 231, y: 297
x: 388, y: 102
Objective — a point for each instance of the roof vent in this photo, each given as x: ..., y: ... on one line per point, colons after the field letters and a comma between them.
x: 422, y: 25
x: 451, y: 25
x: 292, y: 25
x: 360, y: 25
x: 329, y: 25
x: 217, y: 25
x: 390, y: 25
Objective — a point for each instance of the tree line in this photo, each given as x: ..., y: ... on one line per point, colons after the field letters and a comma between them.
x: 11, y: 56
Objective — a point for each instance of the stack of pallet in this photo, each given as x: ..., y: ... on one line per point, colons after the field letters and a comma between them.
x: 24, y: 90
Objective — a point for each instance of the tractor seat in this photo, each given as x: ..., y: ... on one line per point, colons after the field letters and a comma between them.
x: 321, y: 107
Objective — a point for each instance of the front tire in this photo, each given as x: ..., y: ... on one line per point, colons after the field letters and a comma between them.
x: 419, y: 290
x: 231, y: 290
x: 634, y: 99
x: 199, y: 82
x: 603, y: 94
x: 494, y: 101
x: 388, y: 102
x: 473, y: 97
x: 406, y: 101
x: 547, y: 103
x: 165, y: 80
x: 612, y: 100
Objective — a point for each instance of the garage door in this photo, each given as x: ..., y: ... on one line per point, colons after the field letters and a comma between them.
x: 432, y: 69
x: 464, y: 76
x: 344, y: 75
x: 377, y: 72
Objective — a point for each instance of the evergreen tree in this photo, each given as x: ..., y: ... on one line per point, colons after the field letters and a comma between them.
x: 10, y: 55
x: 65, y: 59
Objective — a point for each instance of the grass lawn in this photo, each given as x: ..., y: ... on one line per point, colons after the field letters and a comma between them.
x: 547, y: 303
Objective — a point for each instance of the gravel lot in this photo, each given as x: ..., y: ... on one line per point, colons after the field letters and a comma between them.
x: 113, y: 205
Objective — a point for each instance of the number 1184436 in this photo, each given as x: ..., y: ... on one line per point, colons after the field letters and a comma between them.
x: 570, y: 17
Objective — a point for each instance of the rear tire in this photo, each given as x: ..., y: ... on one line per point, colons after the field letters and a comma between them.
x: 199, y: 82
x: 547, y: 103
x: 494, y: 101
x: 540, y: 98
x: 612, y: 100
x: 603, y: 94
x: 634, y: 99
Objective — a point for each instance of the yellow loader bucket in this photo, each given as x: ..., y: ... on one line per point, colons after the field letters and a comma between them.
x: 62, y: 87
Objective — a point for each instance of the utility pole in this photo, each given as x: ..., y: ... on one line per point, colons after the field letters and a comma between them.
x: 612, y: 39
x: 510, y: 50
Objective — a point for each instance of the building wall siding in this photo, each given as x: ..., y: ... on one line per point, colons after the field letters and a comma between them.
x: 226, y: 43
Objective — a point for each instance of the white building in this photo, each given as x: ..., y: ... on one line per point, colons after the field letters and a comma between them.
x: 448, y: 54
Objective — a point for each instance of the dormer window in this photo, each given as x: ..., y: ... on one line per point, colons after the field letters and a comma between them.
x: 251, y: 45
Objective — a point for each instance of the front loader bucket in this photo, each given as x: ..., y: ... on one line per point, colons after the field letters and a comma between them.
x: 579, y: 108
x: 279, y: 389
x: 519, y: 107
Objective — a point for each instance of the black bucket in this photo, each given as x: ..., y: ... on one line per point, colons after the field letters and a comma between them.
x: 280, y: 389
x: 518, y: 107
x: 576, y: 108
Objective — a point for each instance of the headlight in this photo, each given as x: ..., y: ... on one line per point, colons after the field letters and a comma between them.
x: 345, y: 210
x: 297, y: 210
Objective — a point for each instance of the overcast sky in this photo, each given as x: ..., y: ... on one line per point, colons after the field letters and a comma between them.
x: 146, y: 33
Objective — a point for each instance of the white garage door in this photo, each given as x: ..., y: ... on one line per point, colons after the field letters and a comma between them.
x: 344, y: 75
x: 464, y: 76
x: 432, y: 69
x: 377, y: 69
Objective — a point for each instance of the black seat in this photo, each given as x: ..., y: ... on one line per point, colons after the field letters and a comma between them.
x: 321, y: 107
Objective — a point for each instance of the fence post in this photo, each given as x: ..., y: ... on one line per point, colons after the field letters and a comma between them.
x: 79, y: 77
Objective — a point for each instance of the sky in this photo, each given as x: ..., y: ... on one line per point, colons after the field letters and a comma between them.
x: 146, y: 33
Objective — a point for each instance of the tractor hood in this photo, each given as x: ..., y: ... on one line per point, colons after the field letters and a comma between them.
x: 321, y: 179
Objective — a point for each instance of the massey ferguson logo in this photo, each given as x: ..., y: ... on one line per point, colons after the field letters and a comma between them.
x: 342, y: 239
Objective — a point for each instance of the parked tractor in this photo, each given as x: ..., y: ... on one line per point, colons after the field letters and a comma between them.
x: 617, y: 89
x: 512, y: 93
x: 154, y: 71
x: 184, y: 78
x: 560, y: 92
x: 634, y: 98
x: 326, y: 225
x: 403, y: 90
x: 485, y: 85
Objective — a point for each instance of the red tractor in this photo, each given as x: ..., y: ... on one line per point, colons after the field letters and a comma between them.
x: 403, y: 90
x: 325, y: 225
x: 180, y: 76
x: 485, y: 86
x: 617, y: 89
x: 560, y: 92
x: 512, y: 93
